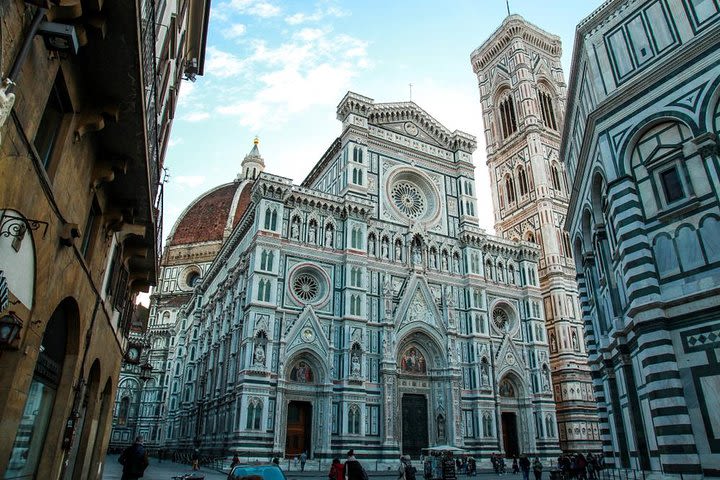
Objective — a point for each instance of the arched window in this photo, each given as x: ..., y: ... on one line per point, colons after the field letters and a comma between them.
x: 508, y: 120
x: 124, y: 410
x: 354, y: 420
x: 547, y: 110
x: 254, y: 415
x: 509, y: 189
x: 268, y: 219
x: 522, y: 179
x: 555, y: 178
x: 360, y: 177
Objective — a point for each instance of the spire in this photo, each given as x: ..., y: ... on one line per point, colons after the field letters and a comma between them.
x: 253, y: 164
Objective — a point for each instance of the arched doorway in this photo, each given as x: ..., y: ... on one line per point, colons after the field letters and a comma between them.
x: 511, y: 415
x: 424, y: 394
x: 51, y: 371
x: 304, y: 401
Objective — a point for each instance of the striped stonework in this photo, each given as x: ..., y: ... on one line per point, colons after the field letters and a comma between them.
x: 523, y: 101
x: 640, y: 145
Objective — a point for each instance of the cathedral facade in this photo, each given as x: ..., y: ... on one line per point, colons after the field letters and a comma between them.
x: 362, y: 309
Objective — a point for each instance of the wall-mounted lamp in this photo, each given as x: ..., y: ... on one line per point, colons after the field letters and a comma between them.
x: 10, y: 326
x: 59, y: 36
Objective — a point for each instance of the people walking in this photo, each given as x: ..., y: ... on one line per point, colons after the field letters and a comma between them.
x: 515, y: 466
x: 524, y: 464
x: 537, y: 468
x: 303, y: 459
x: 134, y: 460
x: 337, y: 470
x: 196, y: 459
x: 353, y: 469
x: 235, y: 461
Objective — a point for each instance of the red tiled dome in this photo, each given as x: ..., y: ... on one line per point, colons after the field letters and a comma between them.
x: 207, y: 217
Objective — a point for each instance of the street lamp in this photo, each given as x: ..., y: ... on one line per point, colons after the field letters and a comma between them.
x: 10, y: 326
x: 145, y: 375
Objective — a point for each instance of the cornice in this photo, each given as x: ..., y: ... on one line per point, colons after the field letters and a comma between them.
x: 514, y: 26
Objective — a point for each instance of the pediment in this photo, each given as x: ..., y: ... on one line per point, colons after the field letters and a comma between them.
x: 418, y: 305
x: 407, y: 119
x: 508, y: 356
x: 307, y: 332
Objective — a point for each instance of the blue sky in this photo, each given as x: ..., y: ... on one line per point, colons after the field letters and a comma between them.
x: 277, y: 69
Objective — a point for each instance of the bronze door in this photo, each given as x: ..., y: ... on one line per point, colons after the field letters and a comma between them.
x: 299, y: 427
x: 510, y: 434
x: 414, y: 424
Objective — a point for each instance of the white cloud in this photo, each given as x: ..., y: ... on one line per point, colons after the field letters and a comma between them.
x: 191, y: 181
x: 235, y: 30
x: 223, y: 64
x: 175, y: 141
x: 196, y: 116
x: 316, y: 16
x: 259, y: 8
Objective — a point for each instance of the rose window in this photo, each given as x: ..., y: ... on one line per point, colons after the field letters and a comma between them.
x: 409, y: 199
x: 500, y: 317
x: 306, y: 287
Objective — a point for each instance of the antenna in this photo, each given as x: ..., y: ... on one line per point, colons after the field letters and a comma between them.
x: 507, y: 4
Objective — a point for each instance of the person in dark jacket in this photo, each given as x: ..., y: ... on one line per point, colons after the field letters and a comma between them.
x: 353, y: 469
x: 134, y: 460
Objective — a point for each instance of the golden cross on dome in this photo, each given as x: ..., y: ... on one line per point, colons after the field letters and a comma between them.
x: 256, y: 141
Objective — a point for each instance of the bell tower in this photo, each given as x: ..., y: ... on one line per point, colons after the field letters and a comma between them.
x: 522, y: 96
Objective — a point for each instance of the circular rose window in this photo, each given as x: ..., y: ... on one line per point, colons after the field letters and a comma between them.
x: 408, y: 199
x: 306, y: 287
x: 308, y: 284
x: 413, y: 195
x: 501, y: 320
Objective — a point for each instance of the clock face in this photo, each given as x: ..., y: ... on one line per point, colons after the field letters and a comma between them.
x: 308, y: 334
x: 133, y: 354
x: 410, y: 128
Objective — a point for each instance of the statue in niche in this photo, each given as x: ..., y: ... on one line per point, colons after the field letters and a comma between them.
x: 398, y: 252
x: 546, y: 380
x: 328, y: 237
x: 440, y: 427
x: 295, y: 230
x: 384, y: 248
x: 259, y: 358
x: 433, y: 259
x: 417, y: 255
x: 444, y: 261
x: 485, y: 374
x: 387, y: 294
x: 312, y: 238
x: 355, y: 364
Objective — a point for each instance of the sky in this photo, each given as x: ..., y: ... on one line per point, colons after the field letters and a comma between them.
x: 277, y: 70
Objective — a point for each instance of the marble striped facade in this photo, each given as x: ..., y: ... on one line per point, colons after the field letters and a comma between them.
x: 641, y: 148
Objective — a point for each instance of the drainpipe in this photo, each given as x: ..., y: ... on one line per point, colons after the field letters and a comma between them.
x: 7, y: 98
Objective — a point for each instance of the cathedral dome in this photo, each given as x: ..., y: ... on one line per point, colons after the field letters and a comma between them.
x: 212, y: 216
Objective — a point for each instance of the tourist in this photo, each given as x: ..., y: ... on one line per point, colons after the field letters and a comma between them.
x: 134, y: 460
x: 515, y: 466
x: 303, y: 459
x: 235, y: 461
x: 537, y: 468
x: 524, y: 464
x: 337, y: 470
x: 196, y: 459
x: 427, y: 469
x: 353, y: 469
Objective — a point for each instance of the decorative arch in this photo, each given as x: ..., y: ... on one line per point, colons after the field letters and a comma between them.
x: 306, y: 367
x: 426, y: 346
x: 513, y: 385
x: 641, y: 128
